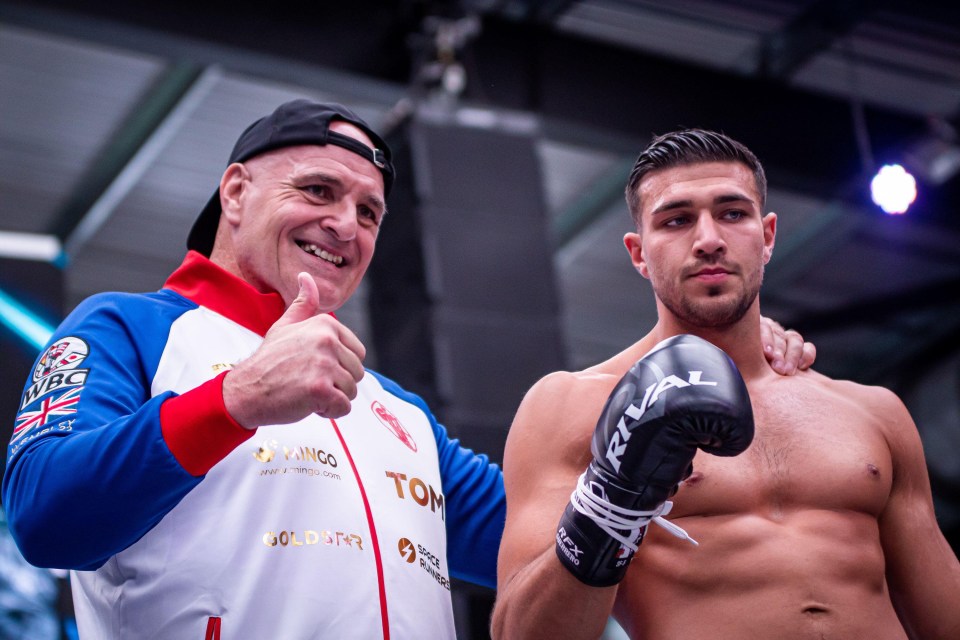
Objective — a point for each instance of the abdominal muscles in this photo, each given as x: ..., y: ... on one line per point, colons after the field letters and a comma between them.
x: 804, y: 574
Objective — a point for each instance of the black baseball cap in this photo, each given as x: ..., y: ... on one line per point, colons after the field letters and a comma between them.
x: 292, y: 123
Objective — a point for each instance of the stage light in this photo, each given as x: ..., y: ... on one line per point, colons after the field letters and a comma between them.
x: 23, y: 322
x: 893, y: 189
x: 30, y: 246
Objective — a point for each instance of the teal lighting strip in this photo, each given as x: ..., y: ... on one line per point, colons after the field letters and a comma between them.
x: 23, y: 322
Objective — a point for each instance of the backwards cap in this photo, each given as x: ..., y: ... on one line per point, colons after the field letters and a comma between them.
x: 293, y: 123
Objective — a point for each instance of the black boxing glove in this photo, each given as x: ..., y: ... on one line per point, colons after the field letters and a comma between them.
x: 686, y: 394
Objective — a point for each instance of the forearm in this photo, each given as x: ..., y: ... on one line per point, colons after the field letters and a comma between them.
x: 544, y: 600
x: 109, y: 481
x: 75, y: 499
x: 926, y: 591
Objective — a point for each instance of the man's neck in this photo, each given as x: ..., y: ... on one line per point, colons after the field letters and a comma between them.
x: 740, y: 340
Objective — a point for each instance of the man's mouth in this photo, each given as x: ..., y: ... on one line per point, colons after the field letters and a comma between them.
x: 710, y: 272
x: 320, y: 253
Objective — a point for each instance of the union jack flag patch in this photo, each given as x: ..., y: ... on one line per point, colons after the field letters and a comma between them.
x: 48, y: 409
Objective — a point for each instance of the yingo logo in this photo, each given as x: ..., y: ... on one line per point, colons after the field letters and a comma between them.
x: 267, y: 451
x: 392, y: 423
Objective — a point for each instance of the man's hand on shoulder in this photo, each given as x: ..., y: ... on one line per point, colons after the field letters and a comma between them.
x: 785, y: 349
x: 308, y: 363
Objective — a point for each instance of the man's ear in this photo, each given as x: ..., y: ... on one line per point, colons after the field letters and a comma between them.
x: 633, y: 242
x: 769, y: 235
x: 232, y: 184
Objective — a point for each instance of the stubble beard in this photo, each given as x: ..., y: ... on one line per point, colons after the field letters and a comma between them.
x: 711, y: 312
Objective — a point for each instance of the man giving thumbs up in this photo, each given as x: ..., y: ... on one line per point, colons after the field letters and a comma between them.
x: 213, y: 461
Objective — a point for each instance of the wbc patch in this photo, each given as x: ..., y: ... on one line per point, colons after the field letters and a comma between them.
x: 66, y: 353
x: 58, y: 369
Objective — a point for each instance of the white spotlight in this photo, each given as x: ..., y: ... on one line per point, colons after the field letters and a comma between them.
x: 893, y: 189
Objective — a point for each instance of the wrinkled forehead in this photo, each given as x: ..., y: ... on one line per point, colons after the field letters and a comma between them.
x: 288, y: 162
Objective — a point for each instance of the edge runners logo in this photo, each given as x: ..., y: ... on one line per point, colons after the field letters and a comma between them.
x: 392, y: 423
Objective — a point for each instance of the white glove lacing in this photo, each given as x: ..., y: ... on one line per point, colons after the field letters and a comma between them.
x: 613, y: 519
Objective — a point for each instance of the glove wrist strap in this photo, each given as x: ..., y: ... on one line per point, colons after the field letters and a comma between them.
x: 597, y: 537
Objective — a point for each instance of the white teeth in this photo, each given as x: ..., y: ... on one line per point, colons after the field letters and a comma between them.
x: 320, y: 253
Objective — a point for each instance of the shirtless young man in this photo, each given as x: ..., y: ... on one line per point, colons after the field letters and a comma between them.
x: 822, y: 528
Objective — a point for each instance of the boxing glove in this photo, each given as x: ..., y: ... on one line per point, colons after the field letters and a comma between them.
x: 686, y: 394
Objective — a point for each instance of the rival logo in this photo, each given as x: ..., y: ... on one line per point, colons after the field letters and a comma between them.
x: 392, y: 423
x: 618, y: 443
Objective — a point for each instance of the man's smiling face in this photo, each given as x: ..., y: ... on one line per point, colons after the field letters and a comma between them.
x: 305, y: 208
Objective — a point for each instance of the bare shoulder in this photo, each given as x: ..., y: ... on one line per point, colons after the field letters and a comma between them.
x: 879, y: 405
x: 877, y: 400
x: 571, y: 397
x: 554, y: 424
x: 558, y: 414
x: 549, y: 440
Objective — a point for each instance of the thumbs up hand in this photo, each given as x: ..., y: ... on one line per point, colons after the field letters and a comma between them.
x: 308, y: 363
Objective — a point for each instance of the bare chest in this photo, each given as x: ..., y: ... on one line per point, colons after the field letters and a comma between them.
x: 811, y: 451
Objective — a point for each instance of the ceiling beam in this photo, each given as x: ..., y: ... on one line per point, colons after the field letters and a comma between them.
x: 806, y: 140
x: 811, y: 32
x: 117, y: 153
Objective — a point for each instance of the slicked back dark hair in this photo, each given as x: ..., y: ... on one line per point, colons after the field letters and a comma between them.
x: 690, y: 146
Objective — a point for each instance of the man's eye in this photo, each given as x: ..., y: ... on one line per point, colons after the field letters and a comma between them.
x: 734, y: 214
x: 319, y: 190
x: 676, y: 221
x: 370, y: 214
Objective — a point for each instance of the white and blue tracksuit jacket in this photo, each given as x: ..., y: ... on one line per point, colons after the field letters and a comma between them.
x: 178, y: 523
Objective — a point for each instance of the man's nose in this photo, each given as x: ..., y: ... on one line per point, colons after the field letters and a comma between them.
x: 709, y: 236
x: 341, y: 220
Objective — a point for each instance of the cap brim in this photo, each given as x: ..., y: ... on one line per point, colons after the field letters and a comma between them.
x: 204, y: 230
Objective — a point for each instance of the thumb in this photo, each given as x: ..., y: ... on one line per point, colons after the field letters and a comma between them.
x: 305, y: 305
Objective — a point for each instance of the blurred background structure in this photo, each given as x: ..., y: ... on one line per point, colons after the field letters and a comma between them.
x: 515, y: 123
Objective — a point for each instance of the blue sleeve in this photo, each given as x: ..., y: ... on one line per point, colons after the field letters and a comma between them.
x: 88, y: 472
x: 476, y: 505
